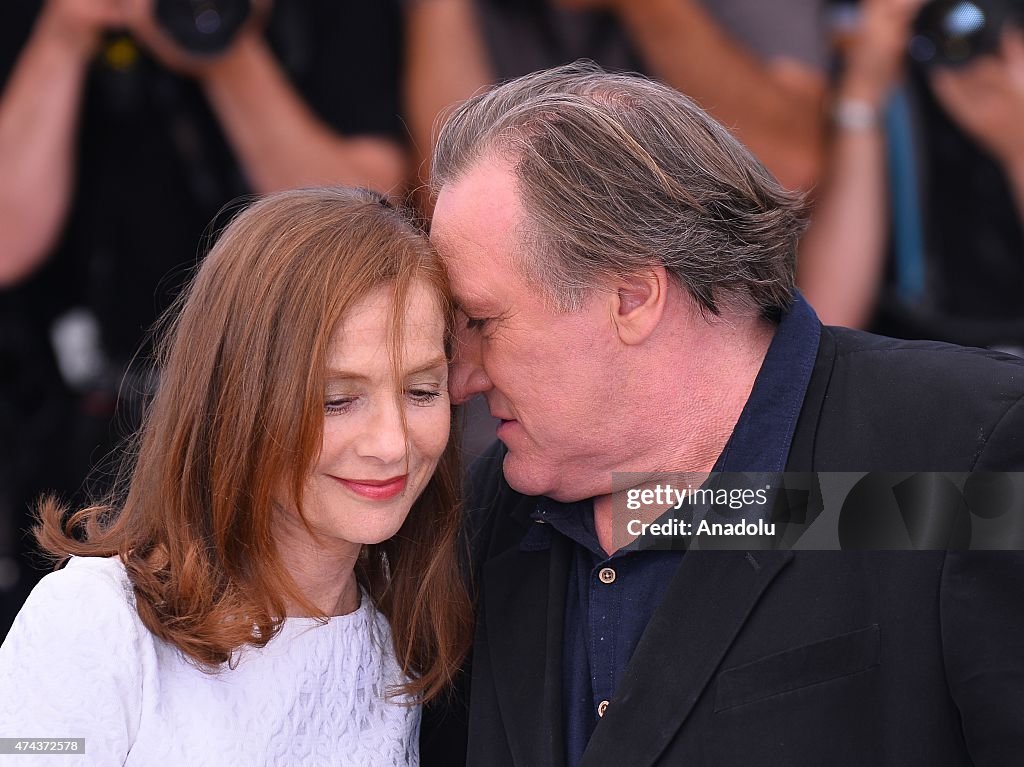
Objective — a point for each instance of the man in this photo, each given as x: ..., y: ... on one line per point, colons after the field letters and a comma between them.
x: 625, y: 272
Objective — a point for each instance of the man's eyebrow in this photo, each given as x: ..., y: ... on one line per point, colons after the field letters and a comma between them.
x: 471, y: 307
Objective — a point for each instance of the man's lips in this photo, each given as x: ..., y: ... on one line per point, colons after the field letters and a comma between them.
x: 375, y: 489
x: 499, y: 415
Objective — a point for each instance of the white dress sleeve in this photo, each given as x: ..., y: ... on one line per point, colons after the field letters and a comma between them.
x: 72, y: 666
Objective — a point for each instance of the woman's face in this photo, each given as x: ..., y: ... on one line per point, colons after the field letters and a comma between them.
x: 371, y: 469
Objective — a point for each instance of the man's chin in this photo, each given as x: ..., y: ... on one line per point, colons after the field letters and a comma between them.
x: 524, y: 476
x: 530, y: 476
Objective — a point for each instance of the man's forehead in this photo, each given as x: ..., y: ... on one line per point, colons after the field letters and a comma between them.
x: 483, y: 198
x: 461, y: 251
x: 476, y: 221
x: 470, y: 270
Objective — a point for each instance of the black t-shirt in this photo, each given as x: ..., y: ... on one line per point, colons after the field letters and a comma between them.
x: 154, y: 167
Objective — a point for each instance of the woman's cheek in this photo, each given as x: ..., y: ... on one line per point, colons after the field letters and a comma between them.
x: 432, y: 431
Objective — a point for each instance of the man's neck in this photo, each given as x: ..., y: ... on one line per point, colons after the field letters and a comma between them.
x: 699, y: 394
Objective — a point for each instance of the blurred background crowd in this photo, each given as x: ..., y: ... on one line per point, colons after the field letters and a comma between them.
x: 131, y: 130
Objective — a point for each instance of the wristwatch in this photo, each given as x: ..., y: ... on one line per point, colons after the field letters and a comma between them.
x: 855, y: 115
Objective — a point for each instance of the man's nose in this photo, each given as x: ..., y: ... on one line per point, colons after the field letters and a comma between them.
x: 467, y: 376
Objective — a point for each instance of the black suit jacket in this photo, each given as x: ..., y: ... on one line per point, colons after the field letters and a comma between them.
x: 783, y: 657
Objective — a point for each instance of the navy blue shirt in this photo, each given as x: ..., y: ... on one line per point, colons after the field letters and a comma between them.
x: 611, y: 599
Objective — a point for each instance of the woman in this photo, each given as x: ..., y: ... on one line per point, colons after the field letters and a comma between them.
x: 293, y: 494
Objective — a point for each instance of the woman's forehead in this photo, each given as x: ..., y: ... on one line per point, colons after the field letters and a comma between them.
x: 367, y: 332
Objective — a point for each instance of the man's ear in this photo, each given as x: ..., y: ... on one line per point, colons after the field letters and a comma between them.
x: 638, y: 303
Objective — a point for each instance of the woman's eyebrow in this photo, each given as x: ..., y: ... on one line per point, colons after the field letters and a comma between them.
x: 345, y: 375
x: 433, y: 363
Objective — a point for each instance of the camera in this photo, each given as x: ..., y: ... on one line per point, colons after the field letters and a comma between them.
x: 951, y: 33
x: 202, y: 27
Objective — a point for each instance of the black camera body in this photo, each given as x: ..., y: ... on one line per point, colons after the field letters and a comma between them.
x: 951, y: 33
x: 202, y: 27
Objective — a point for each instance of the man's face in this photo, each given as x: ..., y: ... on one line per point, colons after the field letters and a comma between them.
x: 546, y: 374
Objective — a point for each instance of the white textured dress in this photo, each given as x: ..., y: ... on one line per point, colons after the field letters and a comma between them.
x: 79, y: 663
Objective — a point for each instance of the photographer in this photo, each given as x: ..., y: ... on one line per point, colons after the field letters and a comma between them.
x: 118, y: 147
x: 756, y: 66
x: 918, y: 230
x: 279, y: 140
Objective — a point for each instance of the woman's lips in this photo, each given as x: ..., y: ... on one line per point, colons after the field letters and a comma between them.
x: 375, y: 489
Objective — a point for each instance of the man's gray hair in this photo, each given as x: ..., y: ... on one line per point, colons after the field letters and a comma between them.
x: 617, y: 173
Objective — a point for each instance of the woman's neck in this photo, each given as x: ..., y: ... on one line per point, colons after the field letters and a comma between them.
x: 322, y: 568
x: 327, y: 581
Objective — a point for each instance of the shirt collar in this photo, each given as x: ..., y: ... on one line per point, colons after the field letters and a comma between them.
x: 761, y: 439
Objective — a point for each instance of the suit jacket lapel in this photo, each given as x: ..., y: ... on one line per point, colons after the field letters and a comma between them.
x: 704, y: 608
x: 525, y: 614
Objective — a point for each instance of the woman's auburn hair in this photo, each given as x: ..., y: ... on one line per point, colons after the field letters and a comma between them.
x: 237, y: 421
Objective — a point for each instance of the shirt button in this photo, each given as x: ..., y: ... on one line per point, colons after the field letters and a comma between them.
x: 602, y: 707
x: 607, y: 575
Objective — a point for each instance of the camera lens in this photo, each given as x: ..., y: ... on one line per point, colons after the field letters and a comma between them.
x: 203, y: 27
x: 952, y: 32
x: 208, y: 22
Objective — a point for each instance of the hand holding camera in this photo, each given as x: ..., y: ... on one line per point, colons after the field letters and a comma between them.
x: 188, y: 36
x: 973, y: 51
x: 953, y: 33
x: 986, y: 99
x: 79, y: 24
x: 184, y: 35
x: 876, y: 57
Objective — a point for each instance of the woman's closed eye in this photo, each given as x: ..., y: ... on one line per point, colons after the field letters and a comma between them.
x: 335, y: 405
x: 422, y: 395
x: 417, y: 395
